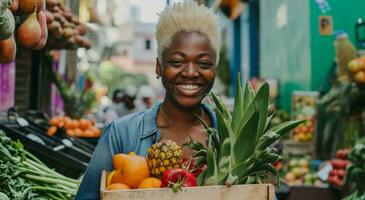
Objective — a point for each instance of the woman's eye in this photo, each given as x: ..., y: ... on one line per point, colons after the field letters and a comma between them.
x: 205, y: 64
x: 176, y: 63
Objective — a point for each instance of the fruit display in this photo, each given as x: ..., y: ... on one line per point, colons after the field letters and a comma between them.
x: 297, y: 169
x: 304, y: 108
x: 66, y: 31
x: 73, y: 127
x: 339, y: 165
x: 305, y: 131
x: 357, y: 70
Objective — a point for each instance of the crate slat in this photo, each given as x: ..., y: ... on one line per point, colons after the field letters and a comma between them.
x: 236, y: 192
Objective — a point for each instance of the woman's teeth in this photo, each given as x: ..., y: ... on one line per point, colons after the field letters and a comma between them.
x: 188, y: 87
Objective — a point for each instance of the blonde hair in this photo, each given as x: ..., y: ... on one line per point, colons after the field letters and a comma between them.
x: 187, y: 16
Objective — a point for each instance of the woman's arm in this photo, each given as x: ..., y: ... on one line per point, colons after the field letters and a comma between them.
x: 101, y: 160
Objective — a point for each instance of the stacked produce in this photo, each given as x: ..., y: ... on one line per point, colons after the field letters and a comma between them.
x: 23, y: 176
x: 304, y: 108
x: 73, y: 127
x: 305, y: 131
x: 357, y: 70
x: 66, y: 31
x: 298, y: 168
x: 337, y: 174
x: 355, y: 173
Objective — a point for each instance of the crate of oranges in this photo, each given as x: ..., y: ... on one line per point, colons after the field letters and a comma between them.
x: 73, y: 127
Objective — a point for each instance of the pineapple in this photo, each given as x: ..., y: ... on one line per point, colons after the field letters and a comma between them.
x: 163, y: 156
x: 239, y: 151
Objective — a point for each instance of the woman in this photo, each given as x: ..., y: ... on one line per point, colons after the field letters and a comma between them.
x: 188, y: 40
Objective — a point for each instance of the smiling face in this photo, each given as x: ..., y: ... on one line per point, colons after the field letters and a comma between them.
x: 188, y: 69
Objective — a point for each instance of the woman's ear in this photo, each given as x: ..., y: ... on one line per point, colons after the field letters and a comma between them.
x: 158, y: 68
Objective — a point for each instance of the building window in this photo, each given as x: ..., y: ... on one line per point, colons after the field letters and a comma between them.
x: 147, y: 44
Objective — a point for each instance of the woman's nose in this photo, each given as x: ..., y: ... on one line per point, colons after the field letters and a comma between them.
x: 190, y: 71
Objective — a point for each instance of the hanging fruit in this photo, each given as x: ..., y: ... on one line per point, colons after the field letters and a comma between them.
x: 27, y: 6
x: 42, y: 19
x: 7, y: 50
x: 29, y: 32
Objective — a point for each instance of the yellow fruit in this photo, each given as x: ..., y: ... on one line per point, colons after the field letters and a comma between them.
x: 289, y: 177
x: 359, y: 77
x: 118, y: 186
x: 303, y: 163
x: 150, y: 182
x: 354, y: 66
x: 163, y: 156
x: 109, y: 178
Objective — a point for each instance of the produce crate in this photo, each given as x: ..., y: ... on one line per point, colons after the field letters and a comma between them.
x: 235, y: 192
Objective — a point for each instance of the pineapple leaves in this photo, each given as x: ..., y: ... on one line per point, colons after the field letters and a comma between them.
x: 285, y: 127
x: 239, y: 150
x: 262, y: 99
x: 223, y: 127
x: 238, y: 105
x: 246, y: 141
x: 248, y: 96
x: 221, y: 107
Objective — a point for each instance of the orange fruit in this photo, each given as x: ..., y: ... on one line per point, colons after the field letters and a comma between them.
x: 53, y: 121
x: 84, y: 124
x: 52, y: 130
x: 96, y: 131
x: 130, y: 169
x: 78, y: 132
x: 88, y: 133
x: 150, y: 182
x: 118, y: 186
x: 70, y: 132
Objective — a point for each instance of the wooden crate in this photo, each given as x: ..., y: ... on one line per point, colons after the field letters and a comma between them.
x: 236, y: 192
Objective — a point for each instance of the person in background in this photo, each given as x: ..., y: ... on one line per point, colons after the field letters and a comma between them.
x: 128, y: 100
x: 146, y: 97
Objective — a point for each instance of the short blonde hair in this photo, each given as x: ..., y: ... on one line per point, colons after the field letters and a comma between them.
x: 187, y: 16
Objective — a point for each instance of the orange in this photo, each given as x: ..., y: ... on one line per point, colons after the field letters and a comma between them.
x: 130, y: 169
x: 118, y: 186
x: 70, y: 132
x: 53, y: 121
x: 96, y: 131
x: 84, y: 124
x: 150, y: 182
x: 88, y: 133
x: 52, y: 130
x: 78, y: 132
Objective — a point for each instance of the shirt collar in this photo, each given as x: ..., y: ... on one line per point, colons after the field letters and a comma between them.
x: 150, y: 120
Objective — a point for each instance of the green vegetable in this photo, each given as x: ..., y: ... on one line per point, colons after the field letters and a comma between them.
x: 23, y: 176
x: 7, y: 21
x: 355, y: 173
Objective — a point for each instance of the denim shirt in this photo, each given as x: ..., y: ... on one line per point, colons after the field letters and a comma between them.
x: 135, y: 132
